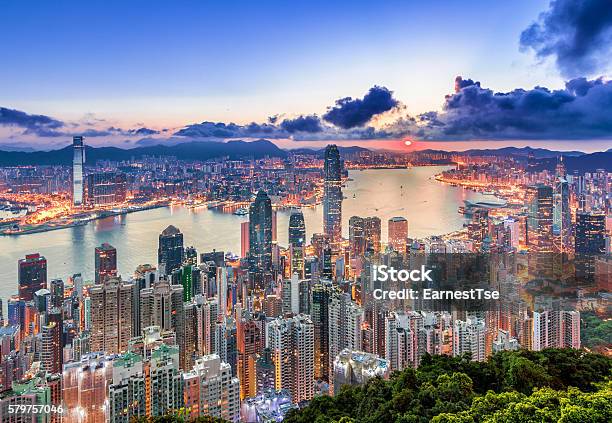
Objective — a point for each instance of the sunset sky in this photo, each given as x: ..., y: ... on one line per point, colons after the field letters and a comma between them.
x: 119, y: 72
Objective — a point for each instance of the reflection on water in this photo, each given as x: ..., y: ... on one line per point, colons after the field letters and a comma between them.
x: 429, y: 206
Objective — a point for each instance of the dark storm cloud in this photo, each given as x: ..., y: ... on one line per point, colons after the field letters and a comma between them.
x: 576, y: 33
x: 40, y: 125
x: 231, y: 130
x: 143, y: 131
x: 350, y: 113
x: 309, y: 123
x: 580, y: 111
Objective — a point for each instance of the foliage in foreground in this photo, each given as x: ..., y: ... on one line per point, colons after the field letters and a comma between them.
x: 512, y: 386
x: 595, y: 333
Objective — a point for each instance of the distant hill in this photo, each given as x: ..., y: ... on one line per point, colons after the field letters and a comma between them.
x: 321, y: 152
x: 186, y: 151
x: 538, y: 153
x: 584, y: 163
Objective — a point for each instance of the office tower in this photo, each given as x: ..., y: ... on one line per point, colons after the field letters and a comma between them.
x: 291, y: 341
x: 16, y: 311
x: 562, y: 216
x: 170, y: 251
x: 513, y: 226
x: 210, y: 389
x: 401, y: 336
x: 190, y: 256
x: 539, y: 200
x: 78, y: 175
x: 51, y: 354
x: 260, y: 233
x: 244, y: 239
x: 398, y: 233
x: 590, y: 243
x: 332, y: 195
x: 297, y: 240
x: 111, y: 315
x: 590, y: 233
x: 32, y: 275
x: 249, y: 342
x: 105, y: 262
x: 469, y: 337
x: 372, y: 233
x: 56, y: 287
x: 321, y: 298
x: 357, y: 242
x: 291, y: 294
x: 127, y: 393
x: 353, y: 367
x: 107, y: 188
x: 85, y: 387
x: 345, y: 324
x: 555, y: 329
x: 186, y: 276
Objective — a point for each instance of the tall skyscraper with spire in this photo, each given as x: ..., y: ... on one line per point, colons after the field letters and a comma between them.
x: 78, y: 162
x: 260, y: 233
x: 332, y: 195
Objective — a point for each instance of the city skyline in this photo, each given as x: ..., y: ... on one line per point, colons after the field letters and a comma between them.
x: 306, y: 211
x: 211, y: 77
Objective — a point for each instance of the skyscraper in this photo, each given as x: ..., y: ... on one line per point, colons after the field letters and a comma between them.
x: 590, y: 242
x: 210, y: 389
x: 78, y: 162
x: 292, y: 343
x: 398, y: 233
x: 106, y: 188
x: 106, y: 262
x: 51, y: 355
x: 297, y: 237
x: 539, y: 200
x: 260, y: 233
x: 357, y: 241
x: 32, y: 274
x: 111, y: 315
x: 332, y: 195
x: 170, y: 251
x: 244, y: 239
x: 249, y: 345
x: 372, y: 233
x: 562, y: 217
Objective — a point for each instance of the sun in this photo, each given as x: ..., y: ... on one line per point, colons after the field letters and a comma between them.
x: 408, y: 143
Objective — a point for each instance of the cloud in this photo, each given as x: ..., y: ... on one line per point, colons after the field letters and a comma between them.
x: 579, y: 111
x: 308, y: 123
x: 222, y: 130
x: 350, y: 113
x: 143, y: 131
x: 576, y: 33
x: 40, y: 125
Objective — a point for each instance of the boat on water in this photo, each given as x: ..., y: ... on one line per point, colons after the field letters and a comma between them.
x: 241, y: 211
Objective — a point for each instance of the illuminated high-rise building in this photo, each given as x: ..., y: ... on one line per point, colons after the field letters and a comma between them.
x: 170, y: 252
x: 51, y: 354
x: 111, y: 315
x: 210, y: 390
x: 260, y: 233
x: 297, y: 238
x: 106, y: 188
x: 357, y: 243
x: 398, y: 233
x: 345, y: 324
x: 291, y: 341
x: 105, y: 262
x: 469, y: 337
x: 539, y: 201
x: 372, y: 233
x: 249, y: 343
x: 244, y: 239
x: 78, y: 176
x: 354, y: 367
x: 590, y: 242
x: 322, y: 294
x: 332, y: 195
x: 562, y: 216
x: 32, y: 275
